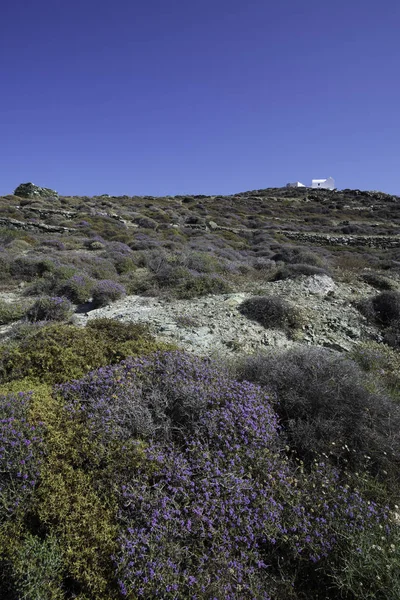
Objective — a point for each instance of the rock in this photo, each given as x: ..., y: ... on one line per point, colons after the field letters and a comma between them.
x: 320, y: 285
x: 16, y: 224
x: 30, y: 190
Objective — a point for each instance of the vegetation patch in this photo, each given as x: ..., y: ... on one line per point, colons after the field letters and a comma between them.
x: 272, y: 312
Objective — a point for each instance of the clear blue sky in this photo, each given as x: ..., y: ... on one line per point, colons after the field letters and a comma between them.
x: 210, y: 96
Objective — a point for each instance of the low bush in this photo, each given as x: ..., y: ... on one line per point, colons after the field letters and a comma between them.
x: 38, y: 568
x: 11, y: 311
x: 272, y: 312
x: 384, y: 308
x: 78, y: 288
x: 296, y: 256
x: 25, y: 268
x: 297, y: 270
x: 387, y: 307
x: 5, y: 264
x: 201, y: 285
x: 325, y: 407
x: 379, y: 281
x: 101, y: 268
x: 382, y: 362
x: 50, y: 308
x: 50, y: 282
x: 215, y: 509
x: 208, y: 506
x: 106, y: 291
x: 58, y: 352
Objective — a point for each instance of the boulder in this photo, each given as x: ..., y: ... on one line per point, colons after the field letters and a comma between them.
x: 30, y: 190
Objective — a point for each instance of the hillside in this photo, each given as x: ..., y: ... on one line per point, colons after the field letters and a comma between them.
x: 203, y: 393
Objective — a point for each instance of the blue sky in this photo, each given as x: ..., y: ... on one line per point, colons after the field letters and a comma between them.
x: 215, y: 96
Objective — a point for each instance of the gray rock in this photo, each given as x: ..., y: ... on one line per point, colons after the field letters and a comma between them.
x: 30, y: 190
x: 320, y: 285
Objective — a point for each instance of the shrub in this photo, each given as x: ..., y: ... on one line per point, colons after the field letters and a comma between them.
x: 378, y: 281
x: 146, y: 222
x: 95, y: 245
x: 208, y: 507
x: 64, y: 540
x: 297, y: 270
x: 123, y: 262
x: 5, y: 262
x: 50, y: 308
x: 107, y: 291
x: 49, y: 283
x: 202, y: 262
x: 298, y: 256
x: 370, y: 568
x: 56, y: 353
x: 272, y: 312
x: 38, y: 568
x: 325, y: 407
x: 78, y: 288
x: 381, y: 361
x: 384, y: 308
x: 11, y: 311
x: 201, y: 285
x: 101, y: 268
x: 213, y: 501
x: 186, y: 321
x: 25, y: 268
x: 387, y: 307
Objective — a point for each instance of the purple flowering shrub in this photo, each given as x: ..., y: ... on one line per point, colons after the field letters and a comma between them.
x: 216, y: 509
x: 107, y: 291
x: 50, y: 308
x: 20, y: 453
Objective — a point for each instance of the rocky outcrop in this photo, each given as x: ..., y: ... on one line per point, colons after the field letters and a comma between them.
x: 213, y: 325
x: 371, y: 241
x: 29, y: 226
x: 49, y: 212
x: 30, y: 190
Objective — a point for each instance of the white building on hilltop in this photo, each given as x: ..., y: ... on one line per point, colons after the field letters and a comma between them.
x: 296, y: 184
x: 323, y: 184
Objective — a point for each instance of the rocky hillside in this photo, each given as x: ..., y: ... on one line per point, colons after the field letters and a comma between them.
x: 187, y: 262
x: 200, y: 396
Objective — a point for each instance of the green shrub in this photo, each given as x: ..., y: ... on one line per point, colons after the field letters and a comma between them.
x: 56, y: 353
x: 387, y: 307
x: 298, y: 256
x: 50, y: 282
x: 202, y: 285
x: 64, y: 542
x: 78, y: 288
x: 297, y: 270
x: 326, y: 406
x: 272, y: 312
x: 381, y: 361
x: 5, y: 262
x: 369, y: 568
x: 101, y: 268
x: 118, y: 332
x: 384, y: 308
x: 50, y: 309
x: 38, y: 568
x: 25, y: 268
x: 106, y: 291
x: 378, y: 281
x: 11, y: 311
